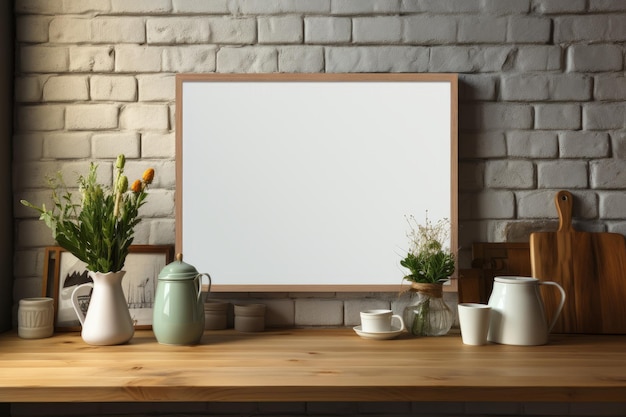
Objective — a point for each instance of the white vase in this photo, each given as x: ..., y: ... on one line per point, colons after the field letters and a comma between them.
x: 107, y: 321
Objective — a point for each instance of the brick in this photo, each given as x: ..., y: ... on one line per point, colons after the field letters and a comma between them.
x: 240, y: 31
x: 39, y: 6
x: 559, y: 6
x: 589, y: 28
x: 511, y: 174
x: 505, y: 6
x: 610, y: 87
x: 158, y: 145
x: 570, y: 87
x: 280, y: 29
x: 524, y: 87
x: 161, y: 232
x: 313, y: 312
x: 482, y: 29
x: 66, y: 88
x: 594, y: 58
x: 607, y: 6
x: 144, y: 117
x: 67, y: 145
x: 92, y: 58
x: 33, y: 118
x: 532, y: 144
x: 536, y: 204
x: 284, y: 6
x: 91, y: 116
x: 482, y: 145
x: 557, y: 116
x: 562, y: 174
x: 429, y: 29
x: 113, y: 88
x: 178, y: 30
x: 33, y: 233
x: 194, y: 59
x: 248, y: 59
x: 618, y: 140
x: 365, y: 6
x: 160, y: 203
x: 477, y: 87
x: 159, y: 87
x: 581, y: 144
x: 28, y: 146
x: 201, y: 6
x: 449, y: 6
x: 524, y: 29
x: 118, y: 29
x: 379, y: 29
x: 327, y: 30
x: 108, y: 145
x: 471, y: 176
x: 611, y: 205
x: 141, y: 6
x: 538, y: 58
x: 133, y: 58
x: 491, y: 205
x: 470, y: 59
x: 43, y: 59
x: 604, y: 116
x: 70, y: 30
x: 376, y: 59
x: 28, y: 89
x: 279, y: 313
x: 32, y: 29
x: 86, y: 6
x: 608, y: 174
x: 505, y: 116
x: 301, y: 59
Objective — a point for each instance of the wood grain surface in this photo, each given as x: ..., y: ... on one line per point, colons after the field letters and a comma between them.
x: 591, y: 267
x: 311, y: 365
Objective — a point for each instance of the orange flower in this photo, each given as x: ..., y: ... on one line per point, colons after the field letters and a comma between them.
x: 148, y: 176
x: 136, y: 187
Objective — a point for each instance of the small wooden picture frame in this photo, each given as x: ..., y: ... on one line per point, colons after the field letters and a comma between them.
x: 63, y: 272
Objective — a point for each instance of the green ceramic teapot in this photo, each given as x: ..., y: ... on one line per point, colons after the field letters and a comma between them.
x: 178, y: 314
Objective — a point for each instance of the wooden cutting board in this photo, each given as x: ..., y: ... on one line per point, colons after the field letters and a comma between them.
x: 591, y: 267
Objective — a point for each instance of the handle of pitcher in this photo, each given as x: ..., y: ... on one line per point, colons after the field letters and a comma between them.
x: 561, y: 304
x: 76, y: 305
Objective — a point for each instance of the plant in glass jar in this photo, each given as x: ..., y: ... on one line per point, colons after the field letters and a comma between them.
x: 97, y: 227
x: 430, y: 264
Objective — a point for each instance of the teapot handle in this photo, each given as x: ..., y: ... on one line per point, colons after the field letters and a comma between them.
x: 561, y: 303
x: 77, y: 291
x: 200, y: 280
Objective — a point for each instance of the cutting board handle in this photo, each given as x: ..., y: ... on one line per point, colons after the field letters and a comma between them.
x: 564, y: 202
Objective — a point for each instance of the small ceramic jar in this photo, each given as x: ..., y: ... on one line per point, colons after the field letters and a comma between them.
x: 250, y: 317
x: 35, y: 318
x: 215, y: 315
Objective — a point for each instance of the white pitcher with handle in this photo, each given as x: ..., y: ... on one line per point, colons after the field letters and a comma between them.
x: 517, y: 312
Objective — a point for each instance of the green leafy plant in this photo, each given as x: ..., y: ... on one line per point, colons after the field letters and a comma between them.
x: 100, y: 229
x: 427, y: 259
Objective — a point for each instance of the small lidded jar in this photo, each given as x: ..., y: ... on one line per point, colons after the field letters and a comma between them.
x: 250, y: 317
x: 215, y: 315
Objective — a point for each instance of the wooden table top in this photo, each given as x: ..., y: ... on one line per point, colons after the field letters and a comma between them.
x: 311, y: 365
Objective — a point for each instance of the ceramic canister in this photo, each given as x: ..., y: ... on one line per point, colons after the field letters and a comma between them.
x: 35, y: 318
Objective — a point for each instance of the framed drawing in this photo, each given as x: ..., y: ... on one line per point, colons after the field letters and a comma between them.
x: 302, y: 182
x: 63, y: 272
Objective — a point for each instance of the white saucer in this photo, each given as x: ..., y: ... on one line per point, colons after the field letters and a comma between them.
x: 394, y: 332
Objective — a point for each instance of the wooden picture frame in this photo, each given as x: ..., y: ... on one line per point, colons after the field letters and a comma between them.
x: 302, y: 182
x: 143, y: 264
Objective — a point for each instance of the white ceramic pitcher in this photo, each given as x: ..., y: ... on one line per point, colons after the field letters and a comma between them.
x: 517, y: 312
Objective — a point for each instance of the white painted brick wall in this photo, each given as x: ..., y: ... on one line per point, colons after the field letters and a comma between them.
x: 542, y: 105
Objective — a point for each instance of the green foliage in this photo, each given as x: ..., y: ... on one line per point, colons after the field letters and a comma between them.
x: 427, y: 259
x: 99, y: 230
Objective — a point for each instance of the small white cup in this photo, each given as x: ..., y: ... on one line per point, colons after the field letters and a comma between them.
x: 474, y: 321
x: 378, y: 321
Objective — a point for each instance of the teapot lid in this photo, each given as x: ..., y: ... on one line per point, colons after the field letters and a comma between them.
x: 178, y: 270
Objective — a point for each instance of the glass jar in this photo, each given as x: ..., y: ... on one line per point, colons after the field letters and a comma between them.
x: 426, y: 313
